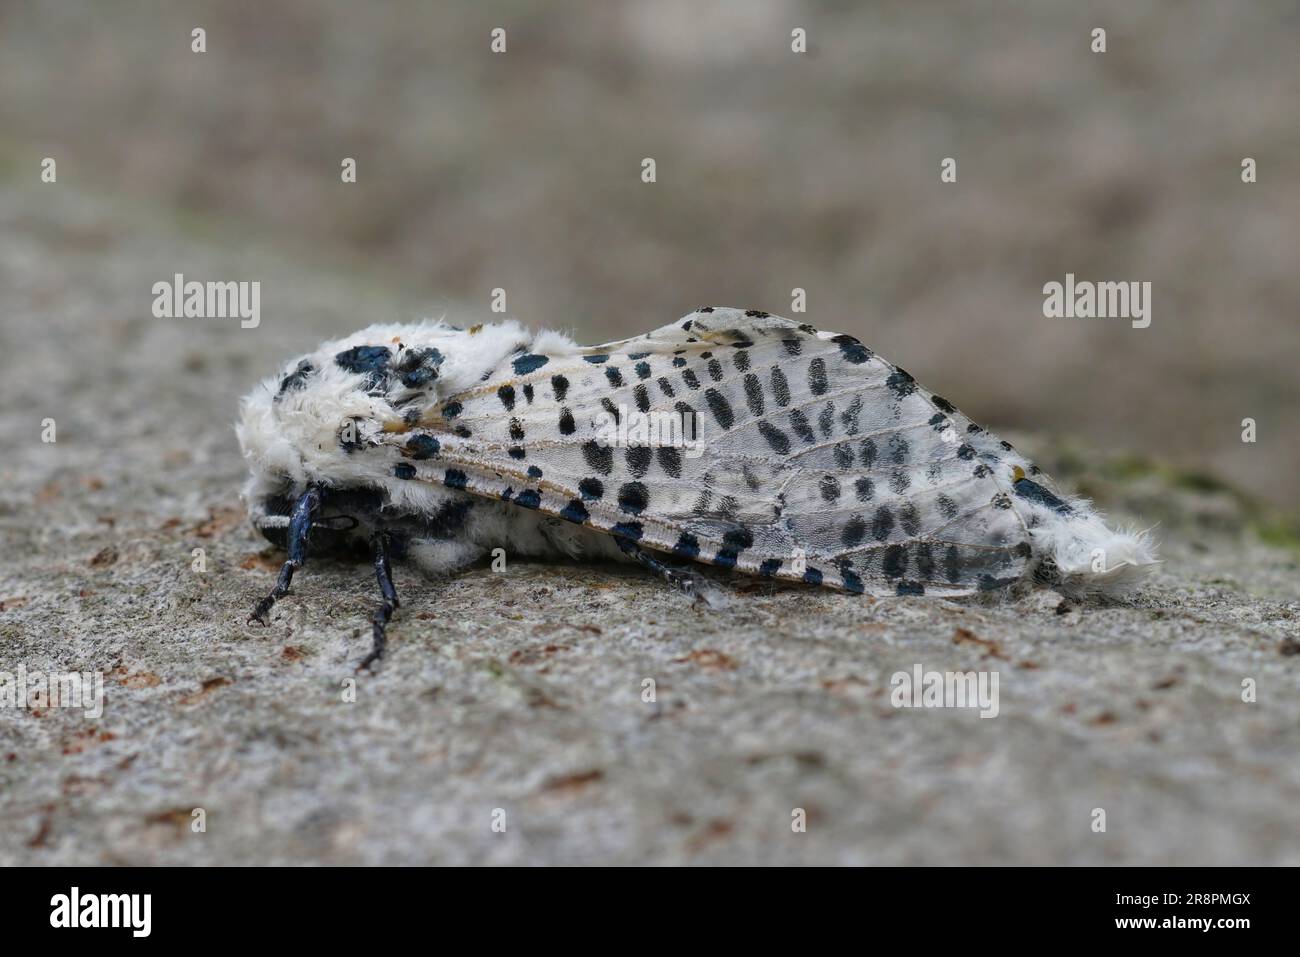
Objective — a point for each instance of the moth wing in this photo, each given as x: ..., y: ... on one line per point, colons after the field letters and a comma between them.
x: 747, y: 441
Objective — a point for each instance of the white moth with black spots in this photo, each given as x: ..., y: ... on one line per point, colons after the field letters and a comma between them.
x: 805, y: 456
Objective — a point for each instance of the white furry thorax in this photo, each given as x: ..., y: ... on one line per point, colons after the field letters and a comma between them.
x: 290, y: 437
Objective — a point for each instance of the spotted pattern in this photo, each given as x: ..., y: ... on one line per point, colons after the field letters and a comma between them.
x: 801, y: 440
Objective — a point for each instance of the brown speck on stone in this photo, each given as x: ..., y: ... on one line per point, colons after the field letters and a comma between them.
x: 710, y: 659
x: 573, y: 782
x: 140, y: 679
x: 105, y: 556
x: 41, y: 837
x: 208, y: 686
x: 220, y: 519
x: 991, y: 648
x: 714, y: 830
x: 265, y: 560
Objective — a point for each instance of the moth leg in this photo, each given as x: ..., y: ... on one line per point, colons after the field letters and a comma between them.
x: 301, y: 520
x: 388, y: 604
x: 684, y: 581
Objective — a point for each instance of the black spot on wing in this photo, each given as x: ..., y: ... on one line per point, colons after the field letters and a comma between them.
x: 882, y: 524
x: 688, y: 546
x: 778, y: 440
x: 575, y: 511
x: 422, y: 446
x: 754, y: 394
x: 852, y: 350
x: 901, y: 383
x: 854, y: 531
x: 633, y: 497
x: 817, y: 381
x: 670, y: 460
x: 799, y: 422
x: 780, y: 387
x: 600, y: 458
x: 720, y: 408
x: 638, y: 459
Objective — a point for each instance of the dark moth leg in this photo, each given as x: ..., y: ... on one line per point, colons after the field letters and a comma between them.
x: 684, y: 581
x: 301, y: 520
x: 388, y: 604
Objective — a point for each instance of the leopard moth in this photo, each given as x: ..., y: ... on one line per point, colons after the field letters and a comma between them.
x: 803, y: 456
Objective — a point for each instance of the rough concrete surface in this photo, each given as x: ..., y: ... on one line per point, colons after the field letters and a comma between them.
x: 523, y: 691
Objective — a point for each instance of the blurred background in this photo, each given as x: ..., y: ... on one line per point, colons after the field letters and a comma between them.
x: 775, y: 170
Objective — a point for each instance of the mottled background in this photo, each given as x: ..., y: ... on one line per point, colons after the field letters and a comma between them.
x: 522, y: 691
x: 775, y: 171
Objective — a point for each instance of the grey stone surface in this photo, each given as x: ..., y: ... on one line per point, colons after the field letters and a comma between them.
x: 522, y: 691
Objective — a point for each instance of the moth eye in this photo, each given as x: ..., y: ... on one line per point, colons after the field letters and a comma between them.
x: 1017, y: 473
